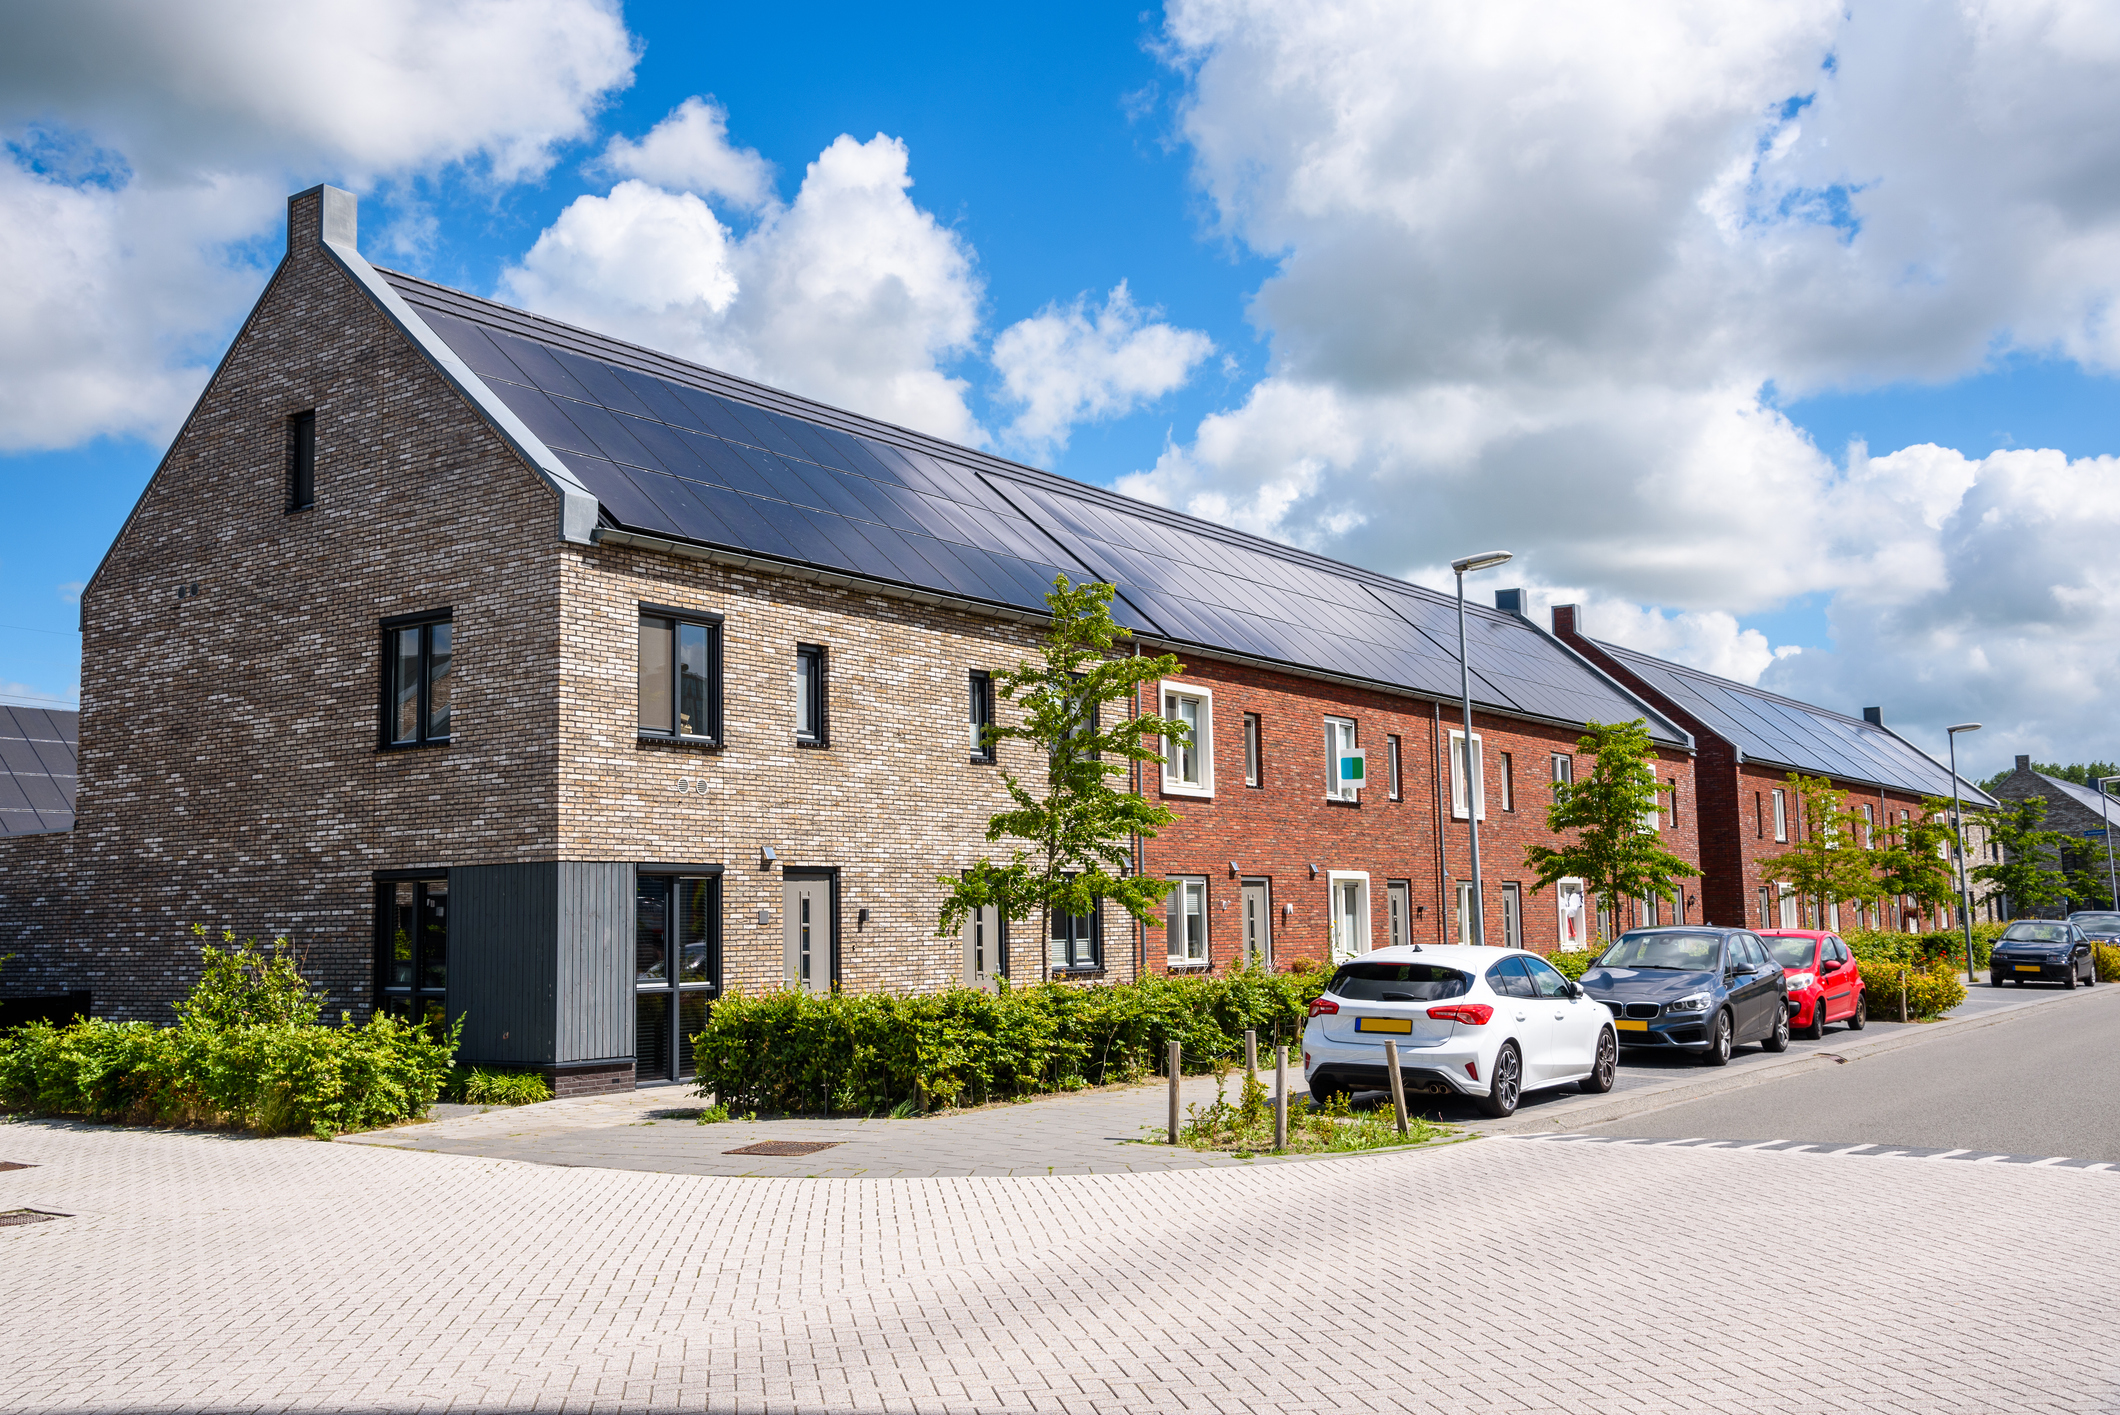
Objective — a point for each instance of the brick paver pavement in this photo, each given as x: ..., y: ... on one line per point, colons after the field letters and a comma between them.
x: 214, y: 1273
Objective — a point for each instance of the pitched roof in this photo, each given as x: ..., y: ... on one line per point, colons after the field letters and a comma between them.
x: 1783, y: 732
x: 2085, y: 796
x: 686, y: 455
x: 38, y: 774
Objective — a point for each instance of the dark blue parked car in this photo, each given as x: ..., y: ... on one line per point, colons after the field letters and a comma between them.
x: 1701, y: 989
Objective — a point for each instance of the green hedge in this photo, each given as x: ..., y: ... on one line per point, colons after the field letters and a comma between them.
x: 1931, y: 991
x: 1924, y: 950
x: 868, y: 1052
x: 270, y: 1077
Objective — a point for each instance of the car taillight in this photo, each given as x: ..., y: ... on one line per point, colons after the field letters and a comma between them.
x: 1472, y: 1069
x: 1472, y: 1014
x: 1323, y: 1006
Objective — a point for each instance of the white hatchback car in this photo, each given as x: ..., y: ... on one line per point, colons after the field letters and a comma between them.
x: 1489, y: 1023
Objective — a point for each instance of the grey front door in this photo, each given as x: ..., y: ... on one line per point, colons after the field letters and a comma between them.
x: 1258, y: 924
x: 982, y: 947
x: 806, y: 928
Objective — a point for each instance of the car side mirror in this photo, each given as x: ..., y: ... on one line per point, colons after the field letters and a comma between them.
x: 1574, y: 990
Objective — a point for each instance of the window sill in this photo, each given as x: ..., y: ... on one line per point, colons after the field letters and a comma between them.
x: 1190, y: 793
x: 662, y: 739
x: 803, y: 746
x: 1089, y: 971
x: 1187, y: 967
x: 1354, y: 805
x: 389, y: 747
x: 977, y: 760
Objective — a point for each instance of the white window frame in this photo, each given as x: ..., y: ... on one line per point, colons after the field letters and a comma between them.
x: 1461, y: 906
x: 1362, y: 943
x: 1869, y: 828
x: 1185, y: 947
x: 1788, y: 912
x: 1457, y: 775
x: 1391, y: 767
x: 1563, y: 771
x: 1202, y: 751
x: 1337, y: 728
x: 1512, y: 915
x: 1507, y: 762
x: 1570, y: 898
x: 1254, y: 750
x: 1781, y: 816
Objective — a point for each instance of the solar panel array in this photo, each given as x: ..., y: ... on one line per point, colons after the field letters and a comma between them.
x: 674, y: 450
x: 38, y: 771
x: 2084, y: 796
x: 1769, y: 728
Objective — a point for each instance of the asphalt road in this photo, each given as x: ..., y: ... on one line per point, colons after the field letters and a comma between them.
x: 2037, y: 1082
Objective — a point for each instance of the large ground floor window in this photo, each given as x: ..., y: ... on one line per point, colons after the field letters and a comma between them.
x: 412, y: 948
x: 676, y: 968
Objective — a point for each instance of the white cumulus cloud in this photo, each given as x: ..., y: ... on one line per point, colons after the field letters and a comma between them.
x: 690, y: 151
x: 1081, y: 363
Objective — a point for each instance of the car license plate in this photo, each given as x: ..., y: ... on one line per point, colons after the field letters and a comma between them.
x: 1402, y: 1026
x: 2027, y: 967
x: 1628, y: 1026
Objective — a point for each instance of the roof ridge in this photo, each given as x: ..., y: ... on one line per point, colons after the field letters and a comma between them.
x: 973, y: 459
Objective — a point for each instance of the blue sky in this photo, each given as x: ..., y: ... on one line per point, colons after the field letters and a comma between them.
x: 1199, y: 157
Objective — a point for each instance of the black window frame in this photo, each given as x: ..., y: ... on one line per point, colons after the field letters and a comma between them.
x: 818, y: 695
x: 301, y: 460
x: 979, y: 689
x: 387, y: 635
x: 676, y: 619
x: 672, y: 991
x: 406, y: 1002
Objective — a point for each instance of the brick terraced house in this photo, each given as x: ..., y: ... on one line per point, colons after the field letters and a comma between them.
x: 526, y: 676
x: 1752, y: 744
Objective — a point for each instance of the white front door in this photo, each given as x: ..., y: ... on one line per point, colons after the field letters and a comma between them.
x: 982, y: 948
x: 1258, y: 924
x: 806, y: 930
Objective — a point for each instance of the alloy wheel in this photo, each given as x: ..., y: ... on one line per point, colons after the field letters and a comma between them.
x: 1721, y: 1043
x: 1607, y: 1065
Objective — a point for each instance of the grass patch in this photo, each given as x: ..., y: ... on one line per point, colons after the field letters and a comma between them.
x: 1246, y: 1128
x: 475, y: 1085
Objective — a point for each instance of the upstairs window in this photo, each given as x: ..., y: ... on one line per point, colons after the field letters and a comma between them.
x: 302, y: 461
x: 810, y: 696
x: 1466, y: 794
x: 416, y: 679
x: 679, y: 676
x: 1781, y: 822
x: 981, y: 701
x: 1189, y: 764
x: 1339, y: 745
x: 1507, y: 763
x: 1563, y: 774
x: 1392, y: 785
x: 1254, y: 752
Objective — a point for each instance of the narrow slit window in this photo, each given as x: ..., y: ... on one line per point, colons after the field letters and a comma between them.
x: 1391, y: 767
x: 981, y: 713
x: 810, y: 725
x: 1507, y: 763
x: 1254, y: 758
x: 301, y: 461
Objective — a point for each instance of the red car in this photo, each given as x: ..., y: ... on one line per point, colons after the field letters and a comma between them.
x: 1824, y: 983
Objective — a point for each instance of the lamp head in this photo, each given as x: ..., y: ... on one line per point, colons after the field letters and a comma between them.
x: 1486, y: 560
x: 1962, y: 727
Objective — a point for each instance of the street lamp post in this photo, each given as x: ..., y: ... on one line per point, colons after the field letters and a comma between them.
x: 1965, y: 904
x: 2112, y: 888
x: 1484, y: 561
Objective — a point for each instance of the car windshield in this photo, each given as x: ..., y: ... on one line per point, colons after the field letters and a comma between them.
x: 1694, y: 953
x: 1397, y: 982
x: 2036, y: 933
x: 1791, y: 952
x: 2095, y: 922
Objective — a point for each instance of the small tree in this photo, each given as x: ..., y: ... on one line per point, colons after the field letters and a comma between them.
x: 1077, y: 831
x: 2024, y: 873
x: 1916, y: 858
x: 1616, y: 852
x: 1822, y: 863
x: 2087, y: 882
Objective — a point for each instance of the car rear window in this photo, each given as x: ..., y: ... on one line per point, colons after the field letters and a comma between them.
x: 1397, y: 982
x: 2095, y: 922
x: 1790, y: 952
x: 1694, y: 953
x: 2037, y: 933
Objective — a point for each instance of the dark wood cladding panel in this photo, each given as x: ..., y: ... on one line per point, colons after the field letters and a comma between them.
x: 595, y: 960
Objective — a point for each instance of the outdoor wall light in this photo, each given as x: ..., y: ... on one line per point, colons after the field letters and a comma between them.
x: 1232, y: 869
x: 765, y: 916
x: 766, y: 857
x: 1313, y: 871
x: 861, y: 918
x: 1288, y: 911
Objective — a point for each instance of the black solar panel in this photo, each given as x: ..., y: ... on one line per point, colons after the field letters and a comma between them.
x: 672, y: 450
x: 1770, y: 728
x: 38, y: 770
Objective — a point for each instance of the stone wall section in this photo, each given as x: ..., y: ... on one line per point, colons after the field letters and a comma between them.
x: 229, y: 765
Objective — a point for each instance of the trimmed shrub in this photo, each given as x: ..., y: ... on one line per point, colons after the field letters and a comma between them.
x: 249, y: 1054
x: 873, y: 1052
x: 1573, y: 965
x: 1931, y: 991
x: 2107, y: 957
x: 1924, y: 950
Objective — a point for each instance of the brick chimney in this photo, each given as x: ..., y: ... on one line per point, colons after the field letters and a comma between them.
x: 2023, y: 763
x: 1563, y: 623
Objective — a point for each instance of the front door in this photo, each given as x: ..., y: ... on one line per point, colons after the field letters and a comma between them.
x: 1258, y: 924
x: 806, y: 924
x: 1347, y: 920
x: 982, y: 948
x: 1397, y: 898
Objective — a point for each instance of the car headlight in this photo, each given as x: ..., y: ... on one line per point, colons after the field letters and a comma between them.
x: 1799, y: 981
x: 1696, y: 1002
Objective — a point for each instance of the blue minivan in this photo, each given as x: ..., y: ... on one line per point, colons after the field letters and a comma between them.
x: 1701, y: 989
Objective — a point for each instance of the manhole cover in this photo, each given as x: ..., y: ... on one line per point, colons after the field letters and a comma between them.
x: 12, y: 1218
x: 784, y: 1147
x: 6, y: 1165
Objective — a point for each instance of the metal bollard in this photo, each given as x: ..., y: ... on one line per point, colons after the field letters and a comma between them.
x: 1398, y: 1084
x: 1280, y: 1099
x: 1174, y: 1062
x: 1902, y: 994
x: 1251, y: 1052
